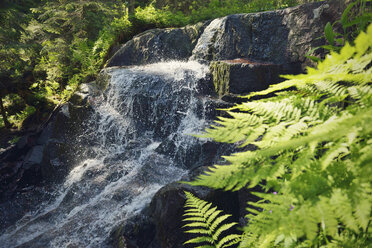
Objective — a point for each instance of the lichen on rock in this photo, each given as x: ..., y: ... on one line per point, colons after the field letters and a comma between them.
x: 241, y: 76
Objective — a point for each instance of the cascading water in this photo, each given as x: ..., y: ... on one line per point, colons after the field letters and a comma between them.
x: 135, y: 142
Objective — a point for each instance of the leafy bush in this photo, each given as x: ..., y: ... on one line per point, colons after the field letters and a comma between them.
x: 313, y: 150
x: 49, y: 50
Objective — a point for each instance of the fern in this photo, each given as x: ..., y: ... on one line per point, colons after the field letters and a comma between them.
x: 208, y: 222
x: 313, y: 147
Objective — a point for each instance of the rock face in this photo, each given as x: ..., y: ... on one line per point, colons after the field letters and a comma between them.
x: 281, y: 37
x: 45, y: 155
x: 277, y: 42
x: 160, y: 225
x: 60, y: 137
x: 157, y: 45
x: 38, y: 159
x: 242, y: 76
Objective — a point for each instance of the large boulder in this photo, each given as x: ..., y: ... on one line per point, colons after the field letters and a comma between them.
x: 158, y: 44
x: 160, y: 225
x: 281, y: 37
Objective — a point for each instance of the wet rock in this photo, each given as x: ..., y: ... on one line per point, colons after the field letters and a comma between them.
x: 154, y: 168
x: 85, y: 92
x: 158, y: 45
x: 214, y: 107
x: 45, y: 134
x: 191, y: 156
x: 241, y: 76
x: 282, y: 37
x: 25, y: 200
x: 34, y: 156
x: 43, y: 156
x: 137, y: 232
x: 204, y: 87
x: 61, y: 147
x: 167, y: 210
x: 160, y: 224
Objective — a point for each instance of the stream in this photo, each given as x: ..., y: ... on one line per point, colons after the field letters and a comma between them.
x: 136, y: 141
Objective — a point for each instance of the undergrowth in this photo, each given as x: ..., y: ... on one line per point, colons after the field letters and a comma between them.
x: 314, y: 151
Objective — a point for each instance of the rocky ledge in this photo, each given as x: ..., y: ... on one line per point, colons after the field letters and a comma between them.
x: 281, y: 37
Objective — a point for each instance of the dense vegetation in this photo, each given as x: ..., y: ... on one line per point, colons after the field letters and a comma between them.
x: 49, y: 47
x: 313, y: 139
x: 312, y: 159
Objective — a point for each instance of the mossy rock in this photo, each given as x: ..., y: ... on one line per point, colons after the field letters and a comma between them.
x: 242, y: 76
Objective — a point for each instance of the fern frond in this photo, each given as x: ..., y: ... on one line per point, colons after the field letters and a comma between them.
x: 229, y: 241
x: 200, y: 239
x: 209, y: 225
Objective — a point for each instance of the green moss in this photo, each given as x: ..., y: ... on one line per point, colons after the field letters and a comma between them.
x: 221, y: 77
x: 122, y: 242
x: 102, y: 80
x: 118, y: 237
x: 14, y: 140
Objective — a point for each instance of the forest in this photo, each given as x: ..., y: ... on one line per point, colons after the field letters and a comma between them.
x: 302, y: 147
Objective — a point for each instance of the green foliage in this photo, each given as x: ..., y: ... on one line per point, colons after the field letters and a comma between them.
x: 51, y: 44
x: 69, y: 30
x: 180, y: 13
x: 18, y: 118
x: 355, y: 19
x: 208, y: 222
x: 313, y: 144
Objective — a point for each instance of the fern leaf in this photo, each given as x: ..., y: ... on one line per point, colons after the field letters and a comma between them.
x: 228, y: 241
x: 210, y: 225
x: 198, y: 231
x: 218, y: 221
x: 213, y: 216
x: 195, y: 219
x: 221, y: 229
x: 200, y: 239
x: 196, y: 224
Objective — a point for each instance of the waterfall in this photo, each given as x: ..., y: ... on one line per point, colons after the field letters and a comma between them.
x: 136, y: 141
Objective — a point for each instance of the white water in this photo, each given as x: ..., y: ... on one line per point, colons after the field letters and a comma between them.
x: 121, y: 170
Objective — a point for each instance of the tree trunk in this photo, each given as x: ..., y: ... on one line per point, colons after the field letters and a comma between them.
x: 3, y: 113
x: 131, y: 7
